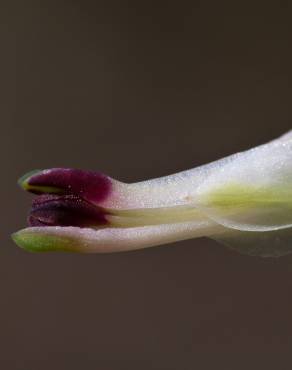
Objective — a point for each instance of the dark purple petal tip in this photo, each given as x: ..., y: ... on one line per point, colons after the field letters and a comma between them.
x: 91, y: 186
x: 65, y: 210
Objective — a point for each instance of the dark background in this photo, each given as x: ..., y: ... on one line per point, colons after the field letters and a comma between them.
x: 140, y: 89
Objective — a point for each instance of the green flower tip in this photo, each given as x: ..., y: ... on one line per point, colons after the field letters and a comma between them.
x: 39, y: 242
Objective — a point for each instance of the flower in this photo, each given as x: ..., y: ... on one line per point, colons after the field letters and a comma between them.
x: 244, y: 201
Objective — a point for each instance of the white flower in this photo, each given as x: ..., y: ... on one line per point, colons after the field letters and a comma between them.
x: 244, y: 200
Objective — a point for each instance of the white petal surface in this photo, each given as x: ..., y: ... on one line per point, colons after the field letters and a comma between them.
x: 261, y: 166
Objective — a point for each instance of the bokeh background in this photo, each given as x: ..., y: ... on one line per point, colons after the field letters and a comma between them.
x: 140, y: 89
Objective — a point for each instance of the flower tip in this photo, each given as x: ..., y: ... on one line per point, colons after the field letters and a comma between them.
x: 26, y: 183
x: 40, y: 242
x: 22, y: 241
x: 23, y: 181
x: 92, y: 186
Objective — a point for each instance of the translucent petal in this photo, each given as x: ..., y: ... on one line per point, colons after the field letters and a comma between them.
x: 265, y: 244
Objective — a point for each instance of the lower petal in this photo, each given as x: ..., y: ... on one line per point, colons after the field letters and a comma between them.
x: 85, y: 240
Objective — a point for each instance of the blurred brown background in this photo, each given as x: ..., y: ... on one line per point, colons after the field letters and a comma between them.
x: 140, y: 89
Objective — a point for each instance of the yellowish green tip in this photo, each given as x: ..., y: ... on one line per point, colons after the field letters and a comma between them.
x: 23, y: 180
x: 40, y: 242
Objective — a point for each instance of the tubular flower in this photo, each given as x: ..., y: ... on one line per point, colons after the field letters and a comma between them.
x: 244, y: 201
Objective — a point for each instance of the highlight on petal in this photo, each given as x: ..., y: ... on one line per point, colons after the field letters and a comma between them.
x: 244, y: 201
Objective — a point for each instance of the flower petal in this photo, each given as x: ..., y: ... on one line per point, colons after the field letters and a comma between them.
x: 273, y: 243
x: 84, y: 240
x: 252, y: 190
x: 249, y: 191
x: 91, y: 186
x: 257, y: 166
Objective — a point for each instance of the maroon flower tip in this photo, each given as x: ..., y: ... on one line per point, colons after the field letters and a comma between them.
x: 89, y: 185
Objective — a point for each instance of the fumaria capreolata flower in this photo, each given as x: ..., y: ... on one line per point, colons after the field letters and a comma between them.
x: 244, y: 201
